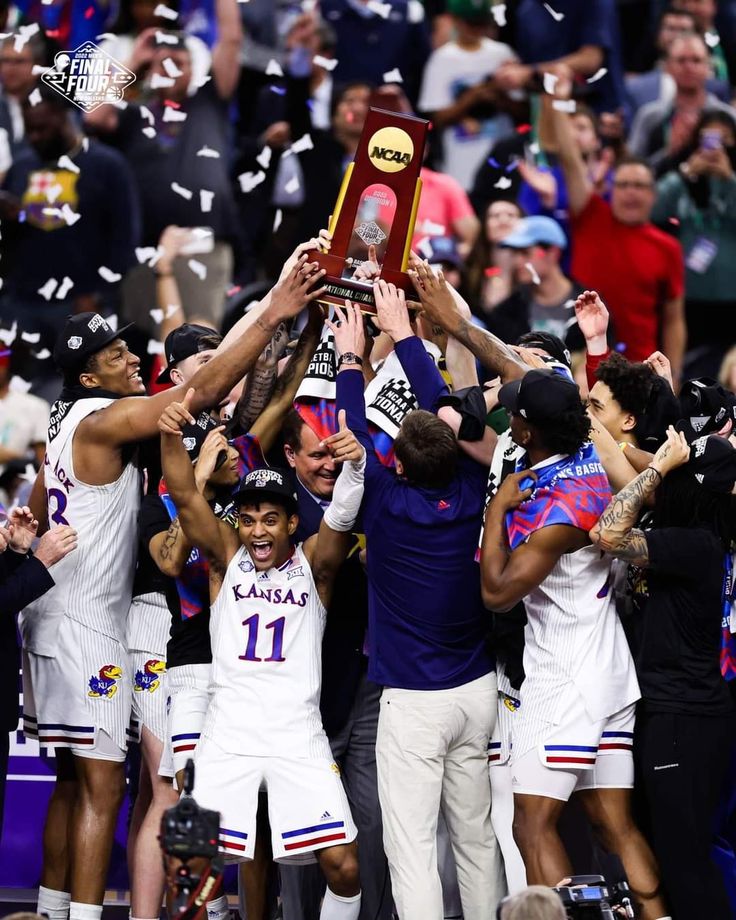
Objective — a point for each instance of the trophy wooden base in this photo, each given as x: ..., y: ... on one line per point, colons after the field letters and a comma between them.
x: 338, y: 289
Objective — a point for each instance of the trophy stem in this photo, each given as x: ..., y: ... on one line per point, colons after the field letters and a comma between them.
x: 412, y: 222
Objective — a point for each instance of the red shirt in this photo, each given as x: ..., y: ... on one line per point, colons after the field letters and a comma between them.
x: 443, y: 202
x: 636, y: 270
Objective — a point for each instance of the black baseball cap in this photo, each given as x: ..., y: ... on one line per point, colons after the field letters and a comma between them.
x: 84, y: 334
x: 705, y: 407
x: 552, y: 344
x: 539, y: 396
x: 194, y: 436
x: 713, y: 463
x: 265, y: 482
x: 183, y: 342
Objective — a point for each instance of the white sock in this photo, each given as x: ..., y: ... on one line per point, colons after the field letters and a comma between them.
x: 79, y: 911
x: 131, y: 917
x: 336, y: 908
x: 53, y: 904
x: 218, y: 909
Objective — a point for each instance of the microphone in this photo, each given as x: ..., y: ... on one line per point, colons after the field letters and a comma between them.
x: 618, y: 883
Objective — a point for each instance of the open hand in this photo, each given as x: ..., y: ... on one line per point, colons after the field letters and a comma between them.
x: 323, y: 241
x: 673, y: 453
x: 22, y: 527
x: 592, y: 315
x: 510, y: 495
x: 292, y: 293
x: 661, y: 366
x: 55, y: 544
x: 214, y: 444
x: 434, y: 294
x: 347, y: 328
x: 392, y: 316
x: 176, y: 415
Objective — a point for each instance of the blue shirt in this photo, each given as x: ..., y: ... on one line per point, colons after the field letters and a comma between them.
x: 426, y: 622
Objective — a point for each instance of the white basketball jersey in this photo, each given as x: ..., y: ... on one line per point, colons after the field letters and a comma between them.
x: 266, y: 630
x: 94, y: 583
x: 574, y: 639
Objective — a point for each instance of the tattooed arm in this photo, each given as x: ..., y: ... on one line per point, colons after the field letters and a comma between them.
x: 439, y: 306
x: 170, y: 549
x: 615, y: 532
x: 261, y: 380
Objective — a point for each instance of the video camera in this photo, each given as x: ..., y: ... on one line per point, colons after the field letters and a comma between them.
x: 192, y: 862
x: 591, y: 896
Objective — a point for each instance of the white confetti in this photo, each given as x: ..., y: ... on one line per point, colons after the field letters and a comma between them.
x: 324, y: 63
x: 48, y: 289
x: 264, y: 157
x: 51, y: 212
x: 42, y: 355
x: 144, y: 254
x: 498, y: 11
x: 564, y: 105
x: 19, y: 385
x: 393, y: 76
x: 23, y: 34
x: 172, y: 114
x: 65, y: 163
x: 66, y: 285
x: 249, y: 180
x: 157, y: 315
x: 180, y: 190
x: 558, y: 17
x: 164, y: 38
x: 199, y: 268
x: 106, y: 37
x: 430, y: 228
x: 205, y: 200
x: 85, y: 144
x: 147, y: 114
x: 503, y: 182
x: 159, y: 81
x: 7, y: 336
x: 149, y: 131
x: 164, y: 12
x: 35, y: 97
x: 712, y: 39
x: 112, y: 321
x: 120, y: 104
x: 70, y: 217
x: 380, y: 9
x: 171, y: 309
x: 534, y: 148
x: 202, y: 80
x: 171, y: 69
x: 424, y: 247
x: 32, y: 337
x: 155, y: 347
x: 273, y: 69
x: 292, y: 186
x: 549, y: 81
x: 302, y: 144
x: 107, y: 274
x: 277, y: 220
x: 38, y: 71
x: 53, y: 192
x: 598, y: 75
x: 208, y: 152
x: 533, y: 272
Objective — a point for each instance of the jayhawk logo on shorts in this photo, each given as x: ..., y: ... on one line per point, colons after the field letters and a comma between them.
x: 105, y: 684
x: 510, y: 702
x: 150, y: 677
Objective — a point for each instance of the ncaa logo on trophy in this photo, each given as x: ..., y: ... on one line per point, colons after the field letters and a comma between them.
x: 88, y: 77
x: 377, y: 206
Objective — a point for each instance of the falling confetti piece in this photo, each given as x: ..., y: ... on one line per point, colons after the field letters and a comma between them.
x: 393, y: 76
x: 712, y: 39
x: 621, y: 346
x: 24, y: 33
x: 304, y: 143
x: 144, y: 254
x: 503, y: 183
x: 149, y: 131
x: 7, y: 336
x: 70, y: 217
x: 273, y: 69
x: 206, y: 198
x: 42, y: 355
x: 157, y: 315
x: 35, y: 97
x: 104, y: 37
x: 66, y: 285
x: 324, y: 63
x: 147, y: 114
x: 172, y: 103
x: 264, y: 157
x: 208, y: 152
x: 89, y: 12
x: 47, y: 290
x: 498, y: 12
x: 107, y: 274
x: 155, y: 347
x: 277, y: 220
x: 249, y: 180
x: 292, y: 186
x: 164, y: 12
x: 598, y: 75
x: 533, y: 272
x: 494, y: 163
x: 32, y: 337
x: 172, y: 115
x: 65, y: 163
x: 523, y: 129
x: 425, y: 247
x: 430, y: 228
x: 380, y: 9
x: 159, y: 81
x: 199, y: 268
x: 514, y: 164
x: 171, y: 69
x: 163, y: 38
x: 112, y: 321
x: 564, y: 105
x: 180, y: 190
x: 53, y: 192
x: 38, y: 71
x: 491, y: 271
x: 549, y: 81
x: 171, y: 309
x: 233, y: 290
x: 674, y: 221
x: 279, y: 90
x: 19, y: 385
x: 533, y: 148
x: 558, y: 17
x: 85, y: 144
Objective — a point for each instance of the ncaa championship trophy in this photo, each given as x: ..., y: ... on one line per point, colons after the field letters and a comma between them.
x: 377, y: 206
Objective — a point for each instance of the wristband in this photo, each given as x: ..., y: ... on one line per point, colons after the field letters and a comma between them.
x: 661, y: 477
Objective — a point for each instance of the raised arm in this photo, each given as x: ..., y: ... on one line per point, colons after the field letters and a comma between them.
x: 226, y: 53
x: 199, y: 524
x: 615, y: 532
x: 579, y: 186
x: 438, y: 305
x: 674, y: 334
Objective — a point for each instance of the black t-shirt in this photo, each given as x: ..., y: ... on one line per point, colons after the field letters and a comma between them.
x: 189, y: 641
x: 679, y: 658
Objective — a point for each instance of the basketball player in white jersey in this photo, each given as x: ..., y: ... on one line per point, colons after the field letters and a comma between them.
x: 574, y: 729
x: 74, y: 636
x: 268, y: 608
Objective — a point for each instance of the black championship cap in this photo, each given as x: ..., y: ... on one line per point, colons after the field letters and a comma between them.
x: 713, y: 463
x: 193, y: 437
x: 259, y: 484
x: 183, y: 342
x: 539, y: 396
x: 83, y: 335
x: 546, y: 341
x: 705, y: 406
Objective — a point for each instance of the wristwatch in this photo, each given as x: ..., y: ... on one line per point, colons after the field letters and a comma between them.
x: 349, y: 357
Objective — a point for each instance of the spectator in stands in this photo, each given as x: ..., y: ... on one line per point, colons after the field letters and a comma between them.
x: 641, y: 277
x: 459, y: 93
x: 544, y: 298
x: 175, y: 183
x: 16, y: 82
x: 720, y: 46
x: 445, y: 210
x: 697, y: 203
x: 663, y: 128
x: 23, y: 420
x: 53, y: 252
x: 488, y: 269
x: 727, y: 372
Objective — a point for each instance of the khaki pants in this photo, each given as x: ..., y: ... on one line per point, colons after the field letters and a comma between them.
x: 431, y: 755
